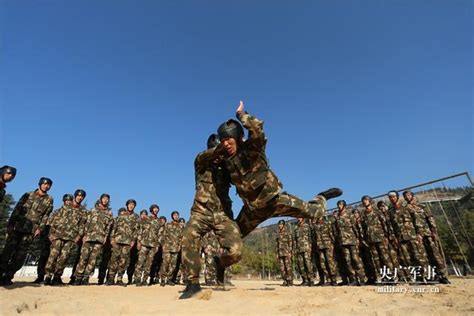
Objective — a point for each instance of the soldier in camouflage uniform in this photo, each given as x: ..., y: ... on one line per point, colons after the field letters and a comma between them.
x: 26, y: 222
x: 210, y: 245
x: 284, y: 243
x: 158, y: 259
x: 325, y: 245
x: 122, y: 239
x: 374, y: 233
x: 172, y: 236
x: 256, y: 184
x: 364, y: 250
x: 147, y: 245
x: 177, y: 274
x: 302, y: 246
x: 133, y: 250
x: 7, y: 174
x: 392, y: 246
x: 348, y: 239
x: 65, y: 231
x: 45, y: 243
x: 425, y: 226
x: 95, y: 233
x: 409, y: 241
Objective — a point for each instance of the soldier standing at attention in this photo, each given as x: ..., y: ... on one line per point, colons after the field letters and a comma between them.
x: 256, y: 184
x: 131, y: 204
x: 27, y: 221
x: 158, y: 259
x: 65, y: 231
x: 302, y: 241
x: 285, y: 252
x: 325, y: 245
x: 172, y: 236
x: 95, y: 233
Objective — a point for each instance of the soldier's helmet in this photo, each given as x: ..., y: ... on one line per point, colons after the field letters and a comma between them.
x: 143, y: 212
x: 67, y: 197
x: 393, y: 192
x: 182, y: 220
x: 131, y: 201
x: 365, y: 197
x: 104, y: 195
x: 281, y: 221
x: 43, y: 180
x: 380, y: 204
x: 406, y: 192
x: 122, y: 211
x: 343, y: 202
x: 153, y: 206
x: 174, y: 212
x: 230, y: 129
x: 8, y: 169
x: 162, y: 218
x: 213, y: 141
x: 80, y: 192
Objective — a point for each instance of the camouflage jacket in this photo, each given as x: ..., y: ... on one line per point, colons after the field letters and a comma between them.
x: 125, y: 228
x: 346, y: 230
x: 210, y: 243
x: 323, y: 235
x: 98, y: 225
x: 389, y: 230
x: 31, y: 212
x: 212, y: 185
x: 422, y: 219
x: 284, y: 243
x: 402, y: 221
x: 68, y: 223
x: 255, y: 182
x: 302, y: 239
x: 149, y: 232
x: 172, y: 236
x: 373, y: 225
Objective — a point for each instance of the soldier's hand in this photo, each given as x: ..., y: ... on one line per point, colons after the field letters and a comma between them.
x: 37, y: 233
x: 51, y: 237
x: 85, y: 239
x: 113, y: 243
x: 139, y: 246
x: 132, y: 243
x: 78, y: 238
x: 240, y: 109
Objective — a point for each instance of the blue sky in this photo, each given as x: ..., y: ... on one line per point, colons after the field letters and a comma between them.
x: 120, y: 96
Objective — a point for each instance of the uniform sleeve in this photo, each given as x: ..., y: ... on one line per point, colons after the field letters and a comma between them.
x: 17, y: 211
x: 255, y: 128
x: 206, y: 158
x: 429, y: 218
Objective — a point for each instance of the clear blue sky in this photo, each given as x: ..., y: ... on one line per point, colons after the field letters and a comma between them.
x: 120, y: 96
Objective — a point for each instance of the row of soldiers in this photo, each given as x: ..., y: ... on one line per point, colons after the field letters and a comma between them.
x: 370, y: 245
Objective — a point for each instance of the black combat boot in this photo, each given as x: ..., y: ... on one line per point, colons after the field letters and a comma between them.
x: 285, y: 283
x: 321, y: 282
x: 290, y: 282
x: 142, y: 283
x: 85, y: 281
x: 100, y: 281
x: 57, y: 281
x: 352, y: 281
x: 6, y: 280
x: 331, y: 193
x: 190, y: 291
x: 47, y: 280
x: 137, y: 282
x: 39, y: 279
x: 110, y: 281
x: 152, y: 281
x: 162, y: 282
x: 77, y: 281
x: 310, y: 283
x: 444, y: 280
x: 220, y: 272
x: 72, y: 280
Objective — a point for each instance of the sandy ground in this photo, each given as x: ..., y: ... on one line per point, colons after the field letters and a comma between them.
x: 247, y: 297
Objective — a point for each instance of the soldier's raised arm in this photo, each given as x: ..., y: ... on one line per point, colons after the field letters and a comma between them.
x: 253, y: 125
x: 17, y: 211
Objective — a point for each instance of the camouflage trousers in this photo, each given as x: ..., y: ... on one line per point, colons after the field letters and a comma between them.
x: 170, y: 260
x: 286, y: 268
x: 328, y: 265
x: 179, y: 272
x: 60, y: 250
x: 210, y: 271
x: 145, y: 259
x: 283, y: 204
x: 410, y: 256
x: 304, y: 264
x: 119, y: 261
x: 353, y: 261
x: 434, y: 256
x: 227, y: 232
x: 90, y: 252
x: 380, y: 257
x: 156, y: 265
x: 14, y: 253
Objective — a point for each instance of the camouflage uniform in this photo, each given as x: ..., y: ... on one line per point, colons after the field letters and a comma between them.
x: 158, y: 258
x: 211, y: 210
x: 325, y: 246
x: 259, y: 187
x: 284, y: 243
x: 122, y: 238
x: 392, y: 246
x: 148, y: 238
x: 425, y: 226
x: 405, y: 230
x: 348, y: 239
x: 210, y: 245
x: 302, y: 245
x: 66, y: 228
x: 30, y: 213
x: 374, y: 234
x: 95, y: 233
x: 172, y: 236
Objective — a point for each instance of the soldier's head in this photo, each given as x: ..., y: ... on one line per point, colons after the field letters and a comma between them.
x: 154, y: 209
x: 175, y: 216
x: 300, y: 220
x: 213, y: 141
x: 7, y: 173
x: 45, y: 184
x: 393, y: 196
x: 231, y: 135
x: 281, y: 224
x: 356, y: 213
x: 67, y: 199
x: 341, y: 204
x: 408, y: 196
x: 366, y: 200
x: 104, y: 199
x: 143, y: 214
x: 382, y: 206
x: 79, y: 196
x: 162, y: 220
x: 122, y: 211
x: 130, y: 204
